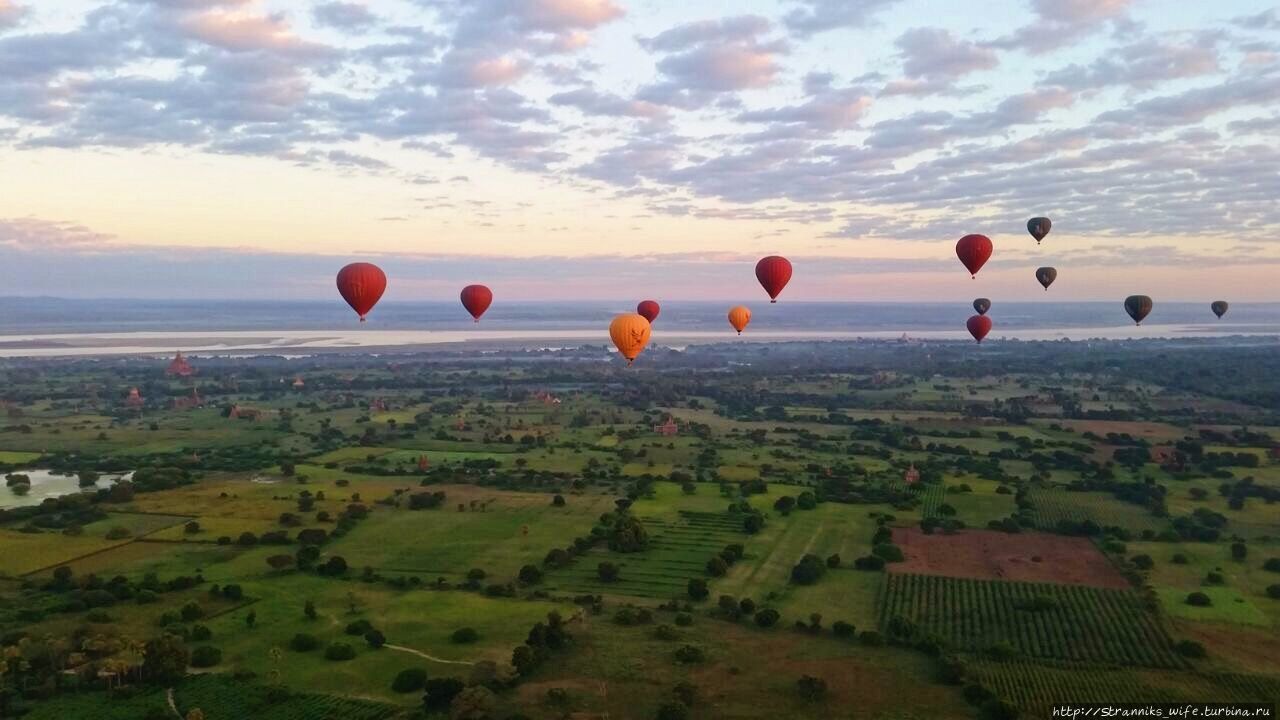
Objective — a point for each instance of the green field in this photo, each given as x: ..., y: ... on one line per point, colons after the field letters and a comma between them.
x: 1052, y: 505
x: 1081, y: 624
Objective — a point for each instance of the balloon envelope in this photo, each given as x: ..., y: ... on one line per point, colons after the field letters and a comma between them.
x: 362, y: 285
x: 979, y: 326
x: 974, y: 251
x: 739, y: 317
x: 476, y: 299
x: 773, y: 272
x: 1219, y: 307
x: 1039, y: 227
x: 630, y: 333
x: 1046, y: 276
x: 649, y: 310
x: 982, y: 305
x: 1138, y: 307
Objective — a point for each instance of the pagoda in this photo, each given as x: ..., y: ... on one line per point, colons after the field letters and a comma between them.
x: 135, y: 399
x: 179, y: 367
x: 667, y: 429
x: 911, y: 476
x: 298, y: 384
x: 423, y: 463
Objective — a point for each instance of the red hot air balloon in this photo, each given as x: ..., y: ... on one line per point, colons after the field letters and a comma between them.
x: 476, y: 299
x: 773, y: 272
x: 979, y: 326
x: 974, y: 251
x: 648, y: 309
x: 361, y: 285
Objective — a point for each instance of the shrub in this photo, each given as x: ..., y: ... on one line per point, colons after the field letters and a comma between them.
x: 869, y: 562
x: 1179, y: 559
x: 673, y: 711
x: 1143, y: 562
x: 888, y: 552
x: 690, y: 654
x: 811, y: 689
x: 1273, y: 591
x: 808, y: 571
x: 375, y: 638
x: 716, y: 566
x: 440, y: 693
x: 1189, y: 648
x: 201, y: 633
x: 303, y: 642
x: 118, y: 533
x: 339, y: 651
x: 697, y: 589
x: 666, y: 632
x: 1199, y: 599
x: 870, y: 638
x: 464, y: 636
x: 205, y: 656
x: 685, y: 619
x: 530, y: 575
x: 192, y: 611
x: 409, y: 680
x: 359, y: 627
x: 767, y: 617
x: 843, y: 629
x: 1272, y: 565
x: 1239, y: 551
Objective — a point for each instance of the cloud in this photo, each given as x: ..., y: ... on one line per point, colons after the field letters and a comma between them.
x: 827, y: 110
x: 706, y: 59
x: 1059, y: 23
x: 11, y: 13
x: 934, y: 53
x: 593, y: 102
x: 344, y: 16
x: 35, y: 235
x: 816, y: 16
x: 1142, y: 65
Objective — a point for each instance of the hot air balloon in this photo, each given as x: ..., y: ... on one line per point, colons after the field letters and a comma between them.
x: 630, y: 333
x: 1219, y: 308
x: 982, y: 305
x: 974, y: 251
x: 1039, y: 227
x: 979, y: 326
x: 739, y: 317
x: 1138, y: 307
x: 1046, y: 276
x: 361, y: 285
x: 649, y: 310
x: 773, y: 272
x: 476, y: 299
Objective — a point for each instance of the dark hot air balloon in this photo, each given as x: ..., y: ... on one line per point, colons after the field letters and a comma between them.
x: 1046, y: 276
x: 476, y: 299
x: 361, y: 285
x: 649, y: 310
x: 974, y: 251
x: 1138, y: 307
x: 1219, y: 308
x: 630, y: 334
x: 1039, y: 227
x: 982, y: 305
x: 979, y: 326
x: 773, y: 272
x: 739, y: 316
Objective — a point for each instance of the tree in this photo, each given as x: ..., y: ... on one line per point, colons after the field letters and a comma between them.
x: 1239, y: 551
x: 309, y: 610
x: 628, y: 535
x: 808, y: 571
x: 607, y: 571
x: 558, y: 501
x: 530, y: 575
x: 768, y: 617
x: 165, y: 659
x: 1199, y: 599
x: 784, y: 504
x: 716, y: 566
x: 525, y: 660
x: 251, y: 619
x: 697, y: 589
x: 473, y: 703
x: 280, y: 563
x: 375, y: 638
x: 339, y: 651
x: 833, y: 561
x: 440, y: 693
x: 753, y: 523
x: 409, y: 680
x: 464, y: 636
x: 205, y: 656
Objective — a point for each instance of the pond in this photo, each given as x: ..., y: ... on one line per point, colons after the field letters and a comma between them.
x: 45, y: 484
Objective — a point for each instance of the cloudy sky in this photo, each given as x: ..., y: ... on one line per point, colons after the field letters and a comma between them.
x: 611, y: 149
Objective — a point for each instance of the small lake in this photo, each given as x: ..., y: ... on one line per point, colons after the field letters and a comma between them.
x: 45, y: 484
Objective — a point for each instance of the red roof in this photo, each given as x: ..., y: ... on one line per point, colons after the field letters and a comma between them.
x: 180, y: 366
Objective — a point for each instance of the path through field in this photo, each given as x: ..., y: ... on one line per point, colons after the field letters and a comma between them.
x: 425, y: 656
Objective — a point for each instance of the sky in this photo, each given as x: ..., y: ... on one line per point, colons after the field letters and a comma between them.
x: 612, y: 149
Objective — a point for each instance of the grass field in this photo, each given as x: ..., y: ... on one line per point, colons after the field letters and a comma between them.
x: 1242, y: 597
x: 515, y: 529
x: 1082, y: 624
x: 27, y: 552
x: 421, y: 620
x: 10, y: 457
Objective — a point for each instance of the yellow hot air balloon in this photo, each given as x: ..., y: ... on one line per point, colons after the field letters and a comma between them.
x: 739, y: 317
x: 630, y: 333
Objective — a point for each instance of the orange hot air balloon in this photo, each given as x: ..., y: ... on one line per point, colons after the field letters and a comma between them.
x: 773, y: 272
x: 979, y: 326
x: 739, y: 317
x: 649, y: 310
x: 630, y: 333
x: 476, y: 299
x: 361, y: 285
x: 974, y: 251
